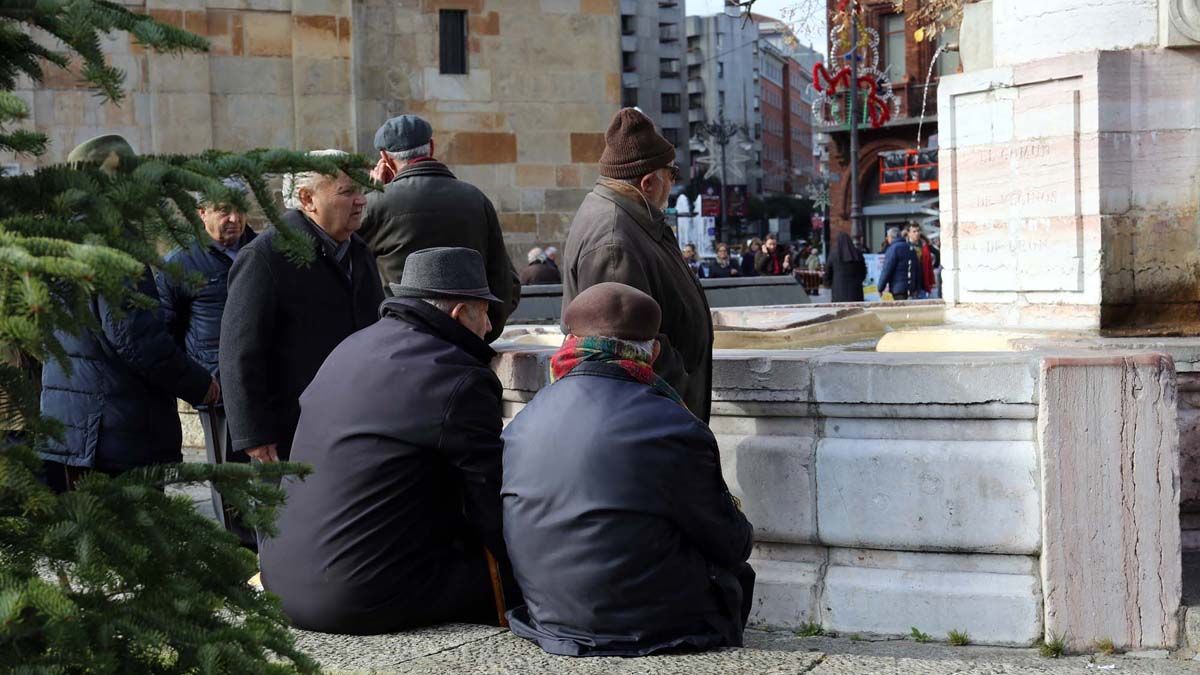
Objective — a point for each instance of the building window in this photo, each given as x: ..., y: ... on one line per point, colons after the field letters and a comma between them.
x: 452, y: 26
x: 721, y: 100
x: 670, y: 103
x: 720, y: 69
x: 672, y: 136
x: 628, y: 24
x: 629, y: 97
x: 948, y: 62
x: 629, y: 61
x: 893, y: 46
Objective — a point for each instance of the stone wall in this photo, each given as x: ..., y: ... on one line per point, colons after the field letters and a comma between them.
x: 525, y: 124
x: 1069, y: 196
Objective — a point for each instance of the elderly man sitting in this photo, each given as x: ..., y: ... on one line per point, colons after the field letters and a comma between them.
x: 402, y: 428
x: 623, y: 535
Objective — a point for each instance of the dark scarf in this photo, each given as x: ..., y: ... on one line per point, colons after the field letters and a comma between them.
x: 576, y: 350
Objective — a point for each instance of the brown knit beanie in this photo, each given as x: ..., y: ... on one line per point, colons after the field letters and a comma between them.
x: 632, y: 148
x: 614, y: 310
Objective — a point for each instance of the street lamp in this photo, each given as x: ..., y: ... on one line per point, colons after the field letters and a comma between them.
x: 855, y: 203
x: 722, y: 131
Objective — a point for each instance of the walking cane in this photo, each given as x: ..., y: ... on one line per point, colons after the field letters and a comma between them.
x: 497, y: 588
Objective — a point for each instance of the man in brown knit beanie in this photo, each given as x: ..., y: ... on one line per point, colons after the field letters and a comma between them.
x: 620, y: 234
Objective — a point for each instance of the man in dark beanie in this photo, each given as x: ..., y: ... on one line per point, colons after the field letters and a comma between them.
x: 402, y: 428
x: 423, y: 205
x: 623, y: 535
x: 620, y: 234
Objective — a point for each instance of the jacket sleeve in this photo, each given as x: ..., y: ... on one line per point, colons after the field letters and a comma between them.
x: 470, y: 441
x: 140, y: 339
x: 609, y: 262
x: 175, y: 304
x: 889, y: 268
x: 247, y: 346
x: 762, y: 264
x: 702, y: 506
x: 502, y: 276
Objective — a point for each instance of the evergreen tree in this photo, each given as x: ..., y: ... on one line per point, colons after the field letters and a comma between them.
x: 117, y: 576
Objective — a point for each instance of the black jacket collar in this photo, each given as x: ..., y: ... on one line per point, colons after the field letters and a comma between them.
x: 296, y: 219
x: 429, y: 167
x: 429, y: 319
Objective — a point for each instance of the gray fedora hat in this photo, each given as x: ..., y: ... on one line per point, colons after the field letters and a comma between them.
x: 444, y: 272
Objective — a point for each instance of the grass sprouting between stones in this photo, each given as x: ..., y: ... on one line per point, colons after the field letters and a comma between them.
x: 810, y: 629
x: 1053, y: 647
x: 917, y: 635
x: 958, y: 638
x: 1106, y: 646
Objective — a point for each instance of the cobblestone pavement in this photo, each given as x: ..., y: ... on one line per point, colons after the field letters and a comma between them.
x: 471, y: 650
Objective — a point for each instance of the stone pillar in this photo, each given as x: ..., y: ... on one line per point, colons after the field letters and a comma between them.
x: 1109, y: 441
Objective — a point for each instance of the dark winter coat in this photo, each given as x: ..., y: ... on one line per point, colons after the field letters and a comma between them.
x: 621, y: 530
x: 193, y: 312
x: 768, y: 264
x: 845, y: 271
x: 425, y: 206
x: 901, y: 271
x: 402, y: 428
x: 281, y: 321
x: 714, y: 270
x: 748, y: 264
x: 540, y: 272
x: 117, y: 403
x: 614, y: 238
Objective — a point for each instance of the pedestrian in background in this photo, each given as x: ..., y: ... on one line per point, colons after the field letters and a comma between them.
x: 930, y: 262
x: 723, y: 267
x: 753, y: 247
x: 620, y: 234
x: 901, y: 273
x: 115, y: 396
x: 773, y: 260
x: 193, y: 317
x: 423, y: 205
x: 285, y: 318
x: 692, y: 259
x: 539, y: 270
x: 845, y: 271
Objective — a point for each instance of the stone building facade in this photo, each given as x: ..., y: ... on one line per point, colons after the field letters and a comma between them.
x: 652, y: 75
x: 525, y: 122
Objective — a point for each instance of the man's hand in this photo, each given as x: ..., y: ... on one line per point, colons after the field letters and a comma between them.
x: 383, y: 171
x: 214, y: 392
x: 264, y: 453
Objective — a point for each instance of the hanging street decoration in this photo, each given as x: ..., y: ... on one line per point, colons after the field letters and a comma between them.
x: 818, y: 193
x: 737, y: 162
x: 878, y: 100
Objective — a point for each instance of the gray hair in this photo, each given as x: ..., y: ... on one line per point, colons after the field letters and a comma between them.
x: 231, y: 182
x: 893, y: 232
x: 293, y: 182
x: 447, y: 305
x: 534, y: 254
x: 411, y: 154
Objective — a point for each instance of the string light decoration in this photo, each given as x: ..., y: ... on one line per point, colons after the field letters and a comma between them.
x: 878, y: 100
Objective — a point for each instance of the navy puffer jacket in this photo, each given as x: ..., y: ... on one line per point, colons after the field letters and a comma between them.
x: 193, y: 312
x: 117, y: 400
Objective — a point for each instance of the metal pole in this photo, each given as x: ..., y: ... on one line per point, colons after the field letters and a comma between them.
x: 724, y: 182
x: 855, y: 202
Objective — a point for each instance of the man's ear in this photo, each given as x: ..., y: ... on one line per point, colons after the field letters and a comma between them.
x: 305, y: 197
x: 657, y: 351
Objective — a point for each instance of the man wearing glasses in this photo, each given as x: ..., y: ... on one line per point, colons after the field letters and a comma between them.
x: 620, y: 234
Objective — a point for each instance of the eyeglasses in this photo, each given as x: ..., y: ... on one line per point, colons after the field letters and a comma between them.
x: 674, y: 168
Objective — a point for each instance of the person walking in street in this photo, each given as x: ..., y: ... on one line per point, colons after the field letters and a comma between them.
x: 402, y: 428
x: 620, y: 234
x: 116, y: 394
x: 540, y: 270
x: 901, y: 271
x: 753, y: 248
x: 930, y: 262
x: 845, y: 271
x: 623, y: 534
x: 193, y: 317
x: 423, y: 205
x: 692, y: 259
x: 284, y: 318
x: 772, y: 260
x: 723, y: 267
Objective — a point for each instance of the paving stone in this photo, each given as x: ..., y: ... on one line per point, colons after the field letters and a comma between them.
x: 374, y: 652
x: 509, y: 655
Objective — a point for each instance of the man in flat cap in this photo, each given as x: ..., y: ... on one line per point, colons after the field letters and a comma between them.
x: 402, y: 428
x: 117, y: 399
x: 423, y: 206
x: 623, y: 535
x: 620, y: 234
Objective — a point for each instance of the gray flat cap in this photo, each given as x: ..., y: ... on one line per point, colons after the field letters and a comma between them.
x: 444, y: 272
x: 403, y: 133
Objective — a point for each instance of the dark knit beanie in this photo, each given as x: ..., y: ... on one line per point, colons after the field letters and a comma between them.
x: 632, y: 148
x: 614, y: 310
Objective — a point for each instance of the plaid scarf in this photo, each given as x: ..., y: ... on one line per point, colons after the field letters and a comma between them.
x: 576, y: 350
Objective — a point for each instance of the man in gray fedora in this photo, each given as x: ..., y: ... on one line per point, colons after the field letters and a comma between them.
x: 402, y: 428
x: 423, y: 205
